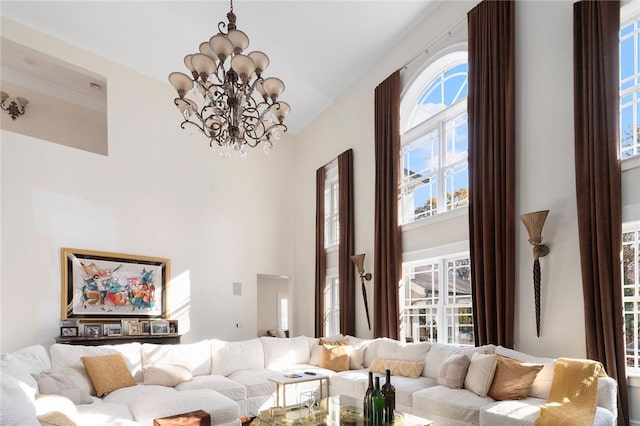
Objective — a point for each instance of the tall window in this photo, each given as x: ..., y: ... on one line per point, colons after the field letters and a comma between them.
x: 332, y: 239
x: 331, y: 213
x: 434, y: 143
x: 630, y: 88
x: 631, y: 292
x: 435, y: 296
x: 332, y: 306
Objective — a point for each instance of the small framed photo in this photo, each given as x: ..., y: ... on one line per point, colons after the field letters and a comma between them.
x: 173, y: 326
x: 159, y: 327
x: 113, y: 329
x: 92, y: 330
x: 135, y: 328
x: 69, y: 331
x: 146, y: 327
x: 125, y: 325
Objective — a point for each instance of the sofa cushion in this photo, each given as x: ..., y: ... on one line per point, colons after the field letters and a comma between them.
x: 281, y: 353
x: 393, y: 349
x: 145, y: 408
x: 69, y: 356
x: 105, y: 414
x: 108, y: 372
x: 406, y: 386
x: 21, y: 363
x: 524, y: 412
x: 336, y: 358
x: 229, y: 357
x: 166, y: 375
x: 441, y: 402
x: 18, y: 402
x: 218, y: 383
x: 480, y: 373
x: 453, y: 371
x: 542, y: 384
x: 255, y: 381
x: 512, y: 379
x: 68, y: 382
x: 128, y: 394
x: 195, y: 356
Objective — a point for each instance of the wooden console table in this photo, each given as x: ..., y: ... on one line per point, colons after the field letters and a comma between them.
x: 164, y: 339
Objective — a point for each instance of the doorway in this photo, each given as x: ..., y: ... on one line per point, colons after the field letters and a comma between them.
x: 274, y: 303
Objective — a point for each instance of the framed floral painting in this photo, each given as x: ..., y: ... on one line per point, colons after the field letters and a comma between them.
x: 113, y: 285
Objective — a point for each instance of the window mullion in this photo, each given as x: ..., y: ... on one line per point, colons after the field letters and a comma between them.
x: 442, y: 326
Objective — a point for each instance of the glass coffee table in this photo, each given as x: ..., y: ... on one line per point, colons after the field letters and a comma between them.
x: 335, y: 410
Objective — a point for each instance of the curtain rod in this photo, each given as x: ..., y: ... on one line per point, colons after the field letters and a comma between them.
x: 437, y: 39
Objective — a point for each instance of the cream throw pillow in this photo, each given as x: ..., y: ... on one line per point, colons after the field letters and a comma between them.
x: 336, y: 358
x: 166, y: 375
x: 512, y: 379
x: 68, y: 382
x: 411, y: 369
x: 108, y: 373
x: 453, y: 371
x: 480, y: 373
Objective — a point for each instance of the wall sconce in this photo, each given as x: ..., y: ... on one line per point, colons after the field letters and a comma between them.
x: 14, y: 106
x: 534, y: 222
x: 358, y: 260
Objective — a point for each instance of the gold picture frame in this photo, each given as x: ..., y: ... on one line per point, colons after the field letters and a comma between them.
x: 107, y: 286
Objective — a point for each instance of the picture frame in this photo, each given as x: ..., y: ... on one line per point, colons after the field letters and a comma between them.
x: 69, y: 331
x: 105, y: 285
x: 159, y: 327
x: 135, y: 328
x: 92, y: 330
x: 146, y: 327
x: 125, y: 325
x: 113, y: 329
x: 173, y: 326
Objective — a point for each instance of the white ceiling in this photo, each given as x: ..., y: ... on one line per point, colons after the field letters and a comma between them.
x: 318, y: 48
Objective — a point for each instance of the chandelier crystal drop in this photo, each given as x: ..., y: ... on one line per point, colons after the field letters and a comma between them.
x: 240, y: 107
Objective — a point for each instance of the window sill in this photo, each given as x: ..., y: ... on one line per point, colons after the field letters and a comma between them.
x: 630, y: 163
x: 441, y: 217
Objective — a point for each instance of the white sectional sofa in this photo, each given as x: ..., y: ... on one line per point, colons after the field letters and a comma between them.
x: 230, y: 380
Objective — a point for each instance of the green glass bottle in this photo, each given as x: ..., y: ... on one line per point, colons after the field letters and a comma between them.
x: 389, y: 392
x: 367, y: 405
x: 377, y: 401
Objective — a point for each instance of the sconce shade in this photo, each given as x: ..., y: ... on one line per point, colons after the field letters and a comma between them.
x: 358, y: 260
x: 534, y: 222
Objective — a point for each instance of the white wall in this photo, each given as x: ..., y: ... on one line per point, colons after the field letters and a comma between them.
x: 159, y: 192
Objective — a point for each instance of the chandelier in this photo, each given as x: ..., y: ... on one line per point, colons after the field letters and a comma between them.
x: 240, y: 107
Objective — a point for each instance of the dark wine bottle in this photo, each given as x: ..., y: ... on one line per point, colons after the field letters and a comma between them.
x: 389, y: 393
x: 377, y: 401
x: 367, y: 404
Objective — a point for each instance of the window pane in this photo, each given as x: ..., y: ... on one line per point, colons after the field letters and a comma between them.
x: 626, y: 58
x: 456, y: 134
x: 457, y: 183
x: 631, y: 295
x: 420, y: 158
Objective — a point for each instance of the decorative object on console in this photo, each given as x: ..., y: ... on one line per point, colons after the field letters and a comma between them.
x: 14, y: 106
x: 225, y: 81
x: 159, y: 327
x: 534, y: 222
x: 358, y: 260
x: 115, y: 285
x: 69, y: 331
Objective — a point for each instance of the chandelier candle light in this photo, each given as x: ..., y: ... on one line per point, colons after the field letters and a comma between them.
x: 233, y: 116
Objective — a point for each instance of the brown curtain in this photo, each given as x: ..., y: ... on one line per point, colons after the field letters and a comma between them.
x: 321, y: 267
x: 387, y: 268
x: 598, y: 181
x: 491, y: 121
x: 346, y: 270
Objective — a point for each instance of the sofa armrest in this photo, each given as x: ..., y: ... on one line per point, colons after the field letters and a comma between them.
x: 608, y: 394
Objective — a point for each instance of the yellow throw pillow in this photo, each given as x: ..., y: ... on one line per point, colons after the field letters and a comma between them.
x: 55, y: 418
x: 108, y: 373
x: 342, y: 342
x: 411, y: 369
x: 336, y: 358
x: 512, y: 379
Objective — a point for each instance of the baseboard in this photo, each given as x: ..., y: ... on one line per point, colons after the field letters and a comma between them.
x: 634, y: 422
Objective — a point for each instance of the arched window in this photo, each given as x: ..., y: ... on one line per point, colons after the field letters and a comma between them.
x: 434, y: 140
